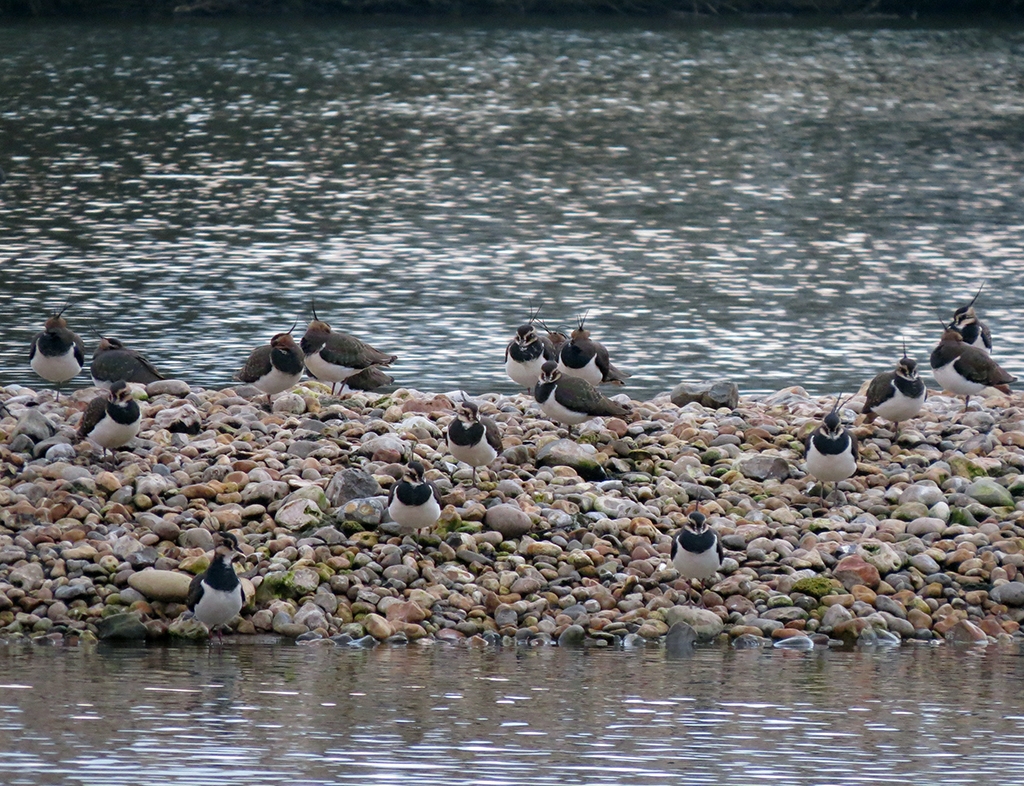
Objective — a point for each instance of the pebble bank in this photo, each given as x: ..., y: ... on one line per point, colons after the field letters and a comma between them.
x: 562, y: 542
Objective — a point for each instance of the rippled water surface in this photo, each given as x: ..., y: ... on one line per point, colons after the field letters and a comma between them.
x: 253, y: 714
x: 770, y: 205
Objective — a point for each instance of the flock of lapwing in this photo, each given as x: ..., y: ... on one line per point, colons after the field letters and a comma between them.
x: 561, y: 371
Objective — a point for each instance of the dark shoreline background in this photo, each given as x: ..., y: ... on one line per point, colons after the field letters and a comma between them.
x: 970, y: 11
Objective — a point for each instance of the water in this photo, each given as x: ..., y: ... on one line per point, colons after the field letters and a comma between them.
x: 771, y: 205
x: 249, y: 713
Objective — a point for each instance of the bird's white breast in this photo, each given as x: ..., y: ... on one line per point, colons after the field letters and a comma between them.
x: 56, y: 368
x: 110, y: 434
x: 479, y: 455
x: 830, y: 468
x: 277, y: 381
x: 560, y: 414
x: 412, y: 517
x: 589, y: 372
x: 900, y: 407
x: 327, y: 372
x: 696, y: 566
x: 526, y: 373
x: 947, y: 377
x: 217, y: 607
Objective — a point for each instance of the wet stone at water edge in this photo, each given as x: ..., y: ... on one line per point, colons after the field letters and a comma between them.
x: 565, y: 540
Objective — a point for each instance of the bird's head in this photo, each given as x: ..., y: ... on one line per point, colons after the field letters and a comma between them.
x: 549, y: 372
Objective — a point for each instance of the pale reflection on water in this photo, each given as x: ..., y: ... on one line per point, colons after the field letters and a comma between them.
x: 769, y: 205
x: 248, y: 713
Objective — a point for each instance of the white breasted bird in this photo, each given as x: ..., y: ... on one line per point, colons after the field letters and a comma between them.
x: 697, y: 550
x: 966, y: 370
x: 274, y: 367
x: 571, y: 400
x: 57, y: 354
x: 974, y: 331
x: 112, y: 419
x: 413, y: 502
x: 333, y: 356
x: 583, y: 357
x: 896, y: 395
x: 526, y: 353
x: 113, y: 361
x: 473, y: 438
x: 215, y: 596
x: 831, y: 451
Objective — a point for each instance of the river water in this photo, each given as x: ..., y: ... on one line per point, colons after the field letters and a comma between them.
x: 250, y: 713
x: 768, y: 204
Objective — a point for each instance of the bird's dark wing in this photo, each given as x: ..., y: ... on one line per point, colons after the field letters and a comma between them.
x: 879, y: 390
x: 342, y: 349
x: 79, y: 349
x: 580, y: 396
x: 493, y: 433
x: 32, y: 351
x: 93, y: 414
x: 195, y: 591
x: 256, y: 366
x: 854, y: 446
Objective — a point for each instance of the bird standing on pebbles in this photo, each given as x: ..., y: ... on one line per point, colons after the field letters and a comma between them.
x: 966, y: 370
x: 274, y: 367
x: 112, y: 419
x: 831, y: 451
x: 57, y: 354
x: 975, y: 332
x: 333, y: 357
x: 583, y: 357
x: 572, y: 400
x: 413, y: 502
x: 697, y: 550
x: 526, y: 353
x: 113, y: 361
x: 215, y: 596
x: 896, y: 395
x: 472, y: 438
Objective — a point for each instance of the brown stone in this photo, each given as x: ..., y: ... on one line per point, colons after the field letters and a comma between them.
x: 853, y: 570
x: 407, y: 612
x: 863, y: 594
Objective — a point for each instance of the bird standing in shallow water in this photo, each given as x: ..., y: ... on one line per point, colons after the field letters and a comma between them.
x: 215, y: 596
x: 896, y: 395
x: 112, y: 419
x: 274, y: 367
x: 333, y: 356
x: 113, y: 361
x: 965, y: 370
x: 57, y: 354
x: 572, y: 400
x: 414, y: 503
x: 472, y: 438
x: 697, y: 550
x: 831, y: 451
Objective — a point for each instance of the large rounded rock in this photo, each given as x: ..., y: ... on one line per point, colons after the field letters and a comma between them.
x: 1010, y: 594
x: 351, y: 484
x: 509, y: 520
x: 706, y: 624
x: 880, y: 554
x: 567, y: 453
x: 853, y: 570
x: 761, y: 468
x: 163, y: 585
x: 298, y: 514
x: 713, y: 395
x: 989, y: 493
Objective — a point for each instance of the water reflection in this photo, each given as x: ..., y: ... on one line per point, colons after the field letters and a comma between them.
x: 774, y: 206
x: 247, y: 713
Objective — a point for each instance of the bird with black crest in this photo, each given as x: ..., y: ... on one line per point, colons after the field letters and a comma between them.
x: 831, y: 451
x: 587, y: 359
x: 112, y: 419
x: 473, y: 438
x: 113, y: 361
x: 215, y: 596
x: 896, y: 395
x: 274, y: 367
x: 572, y: 400
x: 57, y: 354
x: 966, y: 370
x: 975, y: 332
x: 527, y: 352
x: 697, y: 550
x: 333, y: 356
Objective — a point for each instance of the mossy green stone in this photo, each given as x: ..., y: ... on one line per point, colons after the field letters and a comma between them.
x: 965, y: 468
x: 818, y: 586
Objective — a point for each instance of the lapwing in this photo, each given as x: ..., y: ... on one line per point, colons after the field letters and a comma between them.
x: 974, y: 331
x: 583, y: 357
x: 896, y: 395
x: 831, y: 451
x: 370, y: 378
x: 113, y: 361
x: 526, y: 353
x: 333, y: 356
x: 473, y: 438
x: 57, y: 354
x: 697, y: 550
x: 274, y: 367
x: 965, y: 370
x: 215, y: 596
x: 572, y: 400
x: 413, y: 502
x: 112, y: 419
